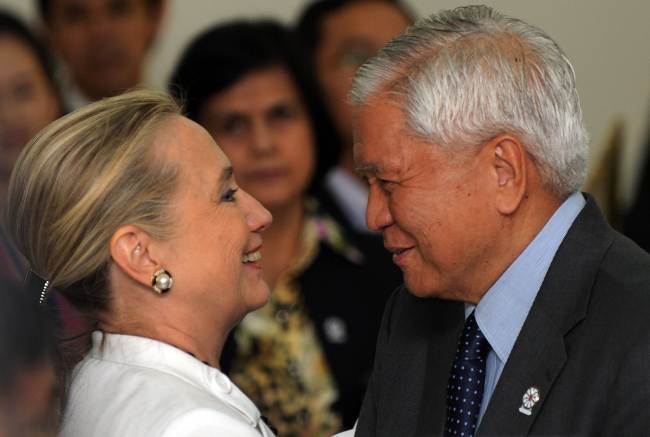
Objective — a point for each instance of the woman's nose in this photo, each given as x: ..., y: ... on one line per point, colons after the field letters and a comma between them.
x: 263, y: 140
x: 257, y: 217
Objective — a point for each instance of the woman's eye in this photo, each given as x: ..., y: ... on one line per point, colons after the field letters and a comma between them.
x: 280, y: 114
x: 232, y: 125
x: 229, y: 195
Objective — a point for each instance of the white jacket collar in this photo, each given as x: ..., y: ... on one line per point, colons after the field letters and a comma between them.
x: 156, y: 355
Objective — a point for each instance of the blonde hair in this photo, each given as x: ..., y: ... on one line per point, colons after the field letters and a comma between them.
x: 83, y: 177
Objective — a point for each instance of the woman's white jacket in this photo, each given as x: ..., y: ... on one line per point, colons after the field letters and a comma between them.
x: 131, y: 386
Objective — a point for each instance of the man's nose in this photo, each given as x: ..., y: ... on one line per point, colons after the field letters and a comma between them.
x: 378, y: 215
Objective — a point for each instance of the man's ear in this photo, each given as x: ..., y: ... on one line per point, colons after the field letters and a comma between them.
x: 130, y: 249
x: 509, y: 164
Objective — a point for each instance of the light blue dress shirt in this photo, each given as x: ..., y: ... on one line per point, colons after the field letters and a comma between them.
x: 501, y: 312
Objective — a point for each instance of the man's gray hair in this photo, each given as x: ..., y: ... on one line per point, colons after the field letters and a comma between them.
x: 468, y: 74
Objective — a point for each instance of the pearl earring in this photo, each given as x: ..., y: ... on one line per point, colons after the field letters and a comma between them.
x: 162, y: 281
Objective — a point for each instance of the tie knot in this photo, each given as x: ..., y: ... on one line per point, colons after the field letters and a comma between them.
x: 473, y: 345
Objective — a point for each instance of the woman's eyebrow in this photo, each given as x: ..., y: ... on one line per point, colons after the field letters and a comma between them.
x: 226, y: 175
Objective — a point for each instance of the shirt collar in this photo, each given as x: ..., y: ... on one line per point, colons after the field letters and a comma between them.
x: 501, y: 312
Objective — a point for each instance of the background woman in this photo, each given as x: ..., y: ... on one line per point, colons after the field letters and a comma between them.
x: 131, y: 211
x: 28, y: 101
x: 306, y: 356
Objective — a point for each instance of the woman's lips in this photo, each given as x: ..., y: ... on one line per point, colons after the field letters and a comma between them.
x: 251, y: 259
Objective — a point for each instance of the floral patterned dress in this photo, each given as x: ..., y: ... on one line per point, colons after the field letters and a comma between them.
x: 279, y: 361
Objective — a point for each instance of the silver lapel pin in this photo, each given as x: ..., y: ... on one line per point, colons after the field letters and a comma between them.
x: 530, y: 398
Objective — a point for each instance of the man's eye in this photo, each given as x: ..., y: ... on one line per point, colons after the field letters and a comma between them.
x: 23, y: 91
x: 121, y: 8
x: 229, y: 195
x: 386, y: 186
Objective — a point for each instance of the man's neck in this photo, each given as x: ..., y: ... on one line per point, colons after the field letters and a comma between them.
x: 533, y: 213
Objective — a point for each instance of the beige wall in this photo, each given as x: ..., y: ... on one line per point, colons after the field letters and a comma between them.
x: 608, y: 42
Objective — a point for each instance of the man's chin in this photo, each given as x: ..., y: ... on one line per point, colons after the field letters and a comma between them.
x: 420, y: 290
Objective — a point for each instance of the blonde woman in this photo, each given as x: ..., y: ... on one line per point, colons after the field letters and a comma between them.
x: 132, y: 212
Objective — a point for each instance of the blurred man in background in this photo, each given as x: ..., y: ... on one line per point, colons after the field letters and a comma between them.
x: 339, y: 36
x: 103, y: 44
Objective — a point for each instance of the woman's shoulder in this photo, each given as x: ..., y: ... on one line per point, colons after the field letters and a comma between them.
x: 110, y: 398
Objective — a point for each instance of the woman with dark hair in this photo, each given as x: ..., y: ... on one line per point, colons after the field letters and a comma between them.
x: 306, y: 356
x: 28, y: 101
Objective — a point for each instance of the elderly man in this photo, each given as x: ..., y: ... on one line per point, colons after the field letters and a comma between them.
x: 524, y: 313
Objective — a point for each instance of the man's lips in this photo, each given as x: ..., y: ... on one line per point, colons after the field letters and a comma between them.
x: 399, y: 252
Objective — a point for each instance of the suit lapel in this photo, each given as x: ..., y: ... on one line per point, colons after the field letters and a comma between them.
x: 415, y: 390
x: 448, y: 320
x: 539, y: 353
x: 406, y: 375
x: 535, y: 363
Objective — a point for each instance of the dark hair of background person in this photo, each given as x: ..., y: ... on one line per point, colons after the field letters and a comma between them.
x: 308, y: 27
x: 26, y: 333
x: 45, y: 7
x: 27, y: 341
x: 223, y: 55
x: 636, y: 220
x: 11, y: 26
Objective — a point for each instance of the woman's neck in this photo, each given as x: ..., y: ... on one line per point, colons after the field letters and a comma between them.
x: 183, y: 339
x: 139, y: 311
x: 281, y: 241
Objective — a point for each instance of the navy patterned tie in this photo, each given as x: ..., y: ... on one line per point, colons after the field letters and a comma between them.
x: 466, y: 381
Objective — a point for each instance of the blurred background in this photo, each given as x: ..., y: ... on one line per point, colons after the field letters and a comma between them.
x: 608, y: 43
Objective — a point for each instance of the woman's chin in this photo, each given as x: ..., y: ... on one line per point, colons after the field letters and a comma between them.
x: 259, y: 297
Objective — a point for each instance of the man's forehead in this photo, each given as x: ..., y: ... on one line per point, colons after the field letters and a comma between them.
x: 377, y: 159
x: 377, y: 123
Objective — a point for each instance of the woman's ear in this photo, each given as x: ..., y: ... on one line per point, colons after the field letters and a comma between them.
x: 130, y: 249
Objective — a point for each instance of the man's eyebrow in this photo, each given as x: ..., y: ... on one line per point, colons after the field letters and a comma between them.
x: 365, y: 168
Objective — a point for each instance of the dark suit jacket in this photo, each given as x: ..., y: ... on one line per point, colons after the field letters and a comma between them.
x: 585, y: 345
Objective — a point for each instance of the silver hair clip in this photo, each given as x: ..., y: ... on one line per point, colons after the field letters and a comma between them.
x: 37, y: 286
